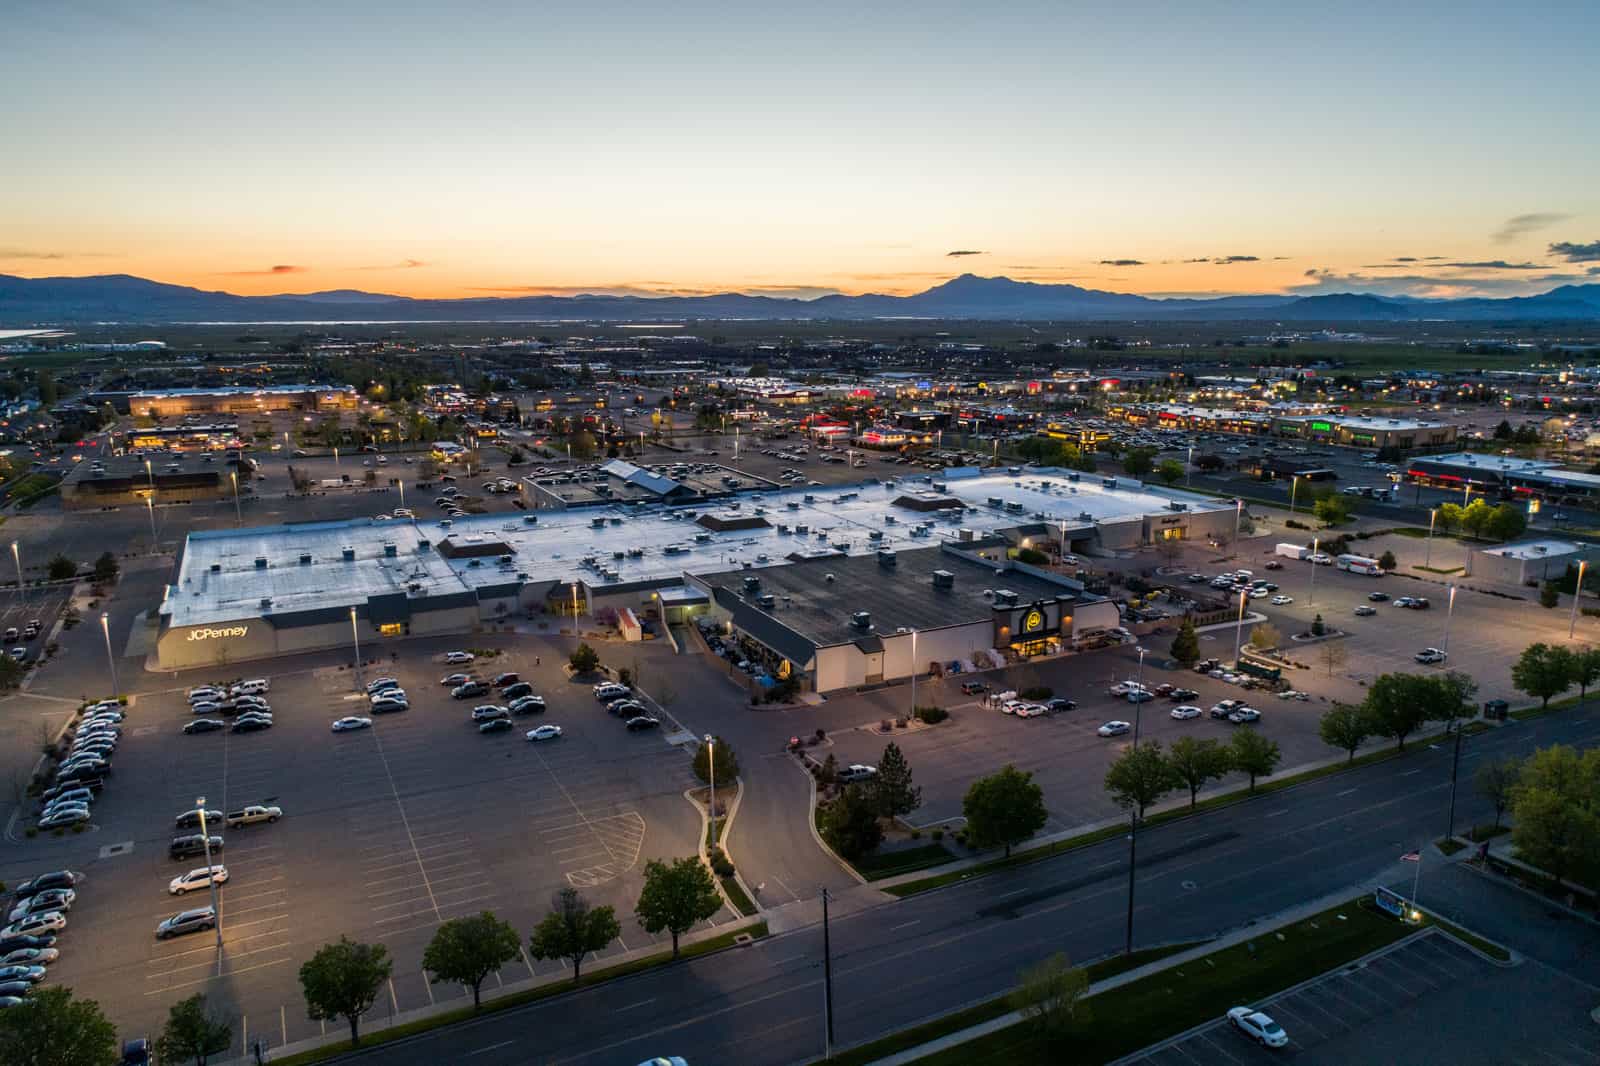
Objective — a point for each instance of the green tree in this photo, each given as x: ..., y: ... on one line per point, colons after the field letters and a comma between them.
x: 572, y: 930
x: 1388, y: 561
x: 1265, y: 636
x: 61, y: 568
x: 106, y: 568
x: 343, y: 980
x: 1050, y: 994
x: 584, y: 660
x: 676, y: 897
x: 1475, y: 516
x: 1344, y: 727
x: 721, y: 754
x: 1556, y: 807
x: 1392, y: 709
x: 1186, y: 645
x: 192, y: 1033
x: 1542, y: 671
x: 1139, y: 777
x: 1549, y: 595
x: 1585, y: 670
x: 1318, y: 626
x: 1170, y: 471
x: 1448, y: 517
x: 1497, y: 781
x: 849, y: 824
x: 891, y: 791
x: 51, y: 1028
x: 1332, y: 509
x: 1139, y: 462
x: 1004, y: 808
x: 1194, y: 762
x: 583, y: 445
x: 466, y: 951
x: 828, y: 772
x: 48, y: 393
x: 1254, y: 754
x: 1506, y: 522
x: 1503, y: 430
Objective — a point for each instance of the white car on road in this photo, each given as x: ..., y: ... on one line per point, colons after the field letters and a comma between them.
x: 458, y: 657
x: 544, y: 732
x: 1114, y: 729
x: 1186, y: 711
x: 1258, y: 1027
x: 1282, y: 601
x: 345, y: 725
x: 1429, y: 656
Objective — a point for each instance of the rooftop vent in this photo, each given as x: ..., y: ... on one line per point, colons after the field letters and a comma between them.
x: 886, y: 558
x: 767, y: 601
x: 752, y: 583
x: 943, y: 579
x: 423, y: 545
x: 305, y: 558
x: 266, y: 601
x: 216, y: 568
x: 828, y: 578
x: 1006, y: 597
x: 349, y: 553
x: 261, y: 562
x: 861, y: 619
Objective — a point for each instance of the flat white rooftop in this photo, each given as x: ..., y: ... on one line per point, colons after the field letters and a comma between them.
x: 221, y: 577
x: 1535, y: 549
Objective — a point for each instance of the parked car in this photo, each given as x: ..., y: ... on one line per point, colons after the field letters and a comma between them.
x: 393, y: 692
x: 203, y: 877
x: 30, y: 957
x: 390, y: 706
x: 250, y: 688
x: 1258, y: 1027
x: 973, y: 688
x: 642, y: 722
x: 527, y: 705
x: 26, y: 941
x: 1365, y: 611
x: 204, y: 725
x: 484, y: 712
x: 351, y: 722
x: 191, y: 819
x: 1429, y: 656
x: 1378, y: 597
x: 35, y: 924
x: 1060, y: 704
x: 456, y: 658
x: 191, y: 921
x: 187, y: 847
x: 1186, y: 711
x: 495, y: 725
x: 469, y: 689
x: 252, y: 814
x: 1179, y: 695
x: 507, y: 678
x: 1223, y: 708
x: 381, y: 683
x: 65, y: 817
x: 1114, y: 729
x: 856, y: 772
x: 608, y: 691
x: 452, y: 680
x: 51, y: 899
x: 544, y: 732
x: 252, y: 724
x: 1281, y: 601
x: 1244, y: 716
x: 516, y: 690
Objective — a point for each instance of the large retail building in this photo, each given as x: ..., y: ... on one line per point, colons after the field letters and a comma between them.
x: 875, y: 547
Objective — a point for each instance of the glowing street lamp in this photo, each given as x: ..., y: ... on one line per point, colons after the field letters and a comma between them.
x: 1577, y: 593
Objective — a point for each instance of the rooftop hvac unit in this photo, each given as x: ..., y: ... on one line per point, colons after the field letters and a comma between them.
x: 598, y: 523
x: 861, y: 619
x: 802, y: 529
x: 1108, y: 482
x: 943, y: 579
x: 995, y: 501
x: 965, y: 535
x: 810, y: 498
x: 423, y: 545
x: 889, y: 519
x: 752, y: 583
x: 216, y: 568
x: 349, y: 553
x: 305, y: 558
x: 390, y: 551
x: 1005, y: 596
x: 414, y: 586
x: 875, y: 534
x: 1073, y: 477
x: 266, y: 601
x: 261, y: 562
x: 828, y: 578
x: 1176, y: 506
x: 767, y: 600
x: 792, y: 506
x: 886, y: 558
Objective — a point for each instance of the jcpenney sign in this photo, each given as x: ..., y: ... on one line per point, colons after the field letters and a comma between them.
x: 217, y: 634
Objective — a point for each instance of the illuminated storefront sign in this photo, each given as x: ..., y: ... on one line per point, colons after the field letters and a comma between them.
x: 218, y: 634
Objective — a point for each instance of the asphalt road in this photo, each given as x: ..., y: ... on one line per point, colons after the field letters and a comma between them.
x: 899, y: 963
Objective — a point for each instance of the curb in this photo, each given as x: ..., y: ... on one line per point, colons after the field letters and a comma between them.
x: 811, y: 824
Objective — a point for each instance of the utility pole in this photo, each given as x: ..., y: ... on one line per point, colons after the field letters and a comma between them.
x: 827, y: 982
x: 1133, y: 845
x: 1455, y: 766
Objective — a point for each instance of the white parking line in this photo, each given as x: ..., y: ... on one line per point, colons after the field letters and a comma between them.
x: 215, y: 977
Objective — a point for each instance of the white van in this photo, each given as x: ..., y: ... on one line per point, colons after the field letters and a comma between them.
x: 253, y: 687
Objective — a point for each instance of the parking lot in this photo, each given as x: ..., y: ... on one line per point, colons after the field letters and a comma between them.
x: 1423, y: 1001
x: 386, y: 832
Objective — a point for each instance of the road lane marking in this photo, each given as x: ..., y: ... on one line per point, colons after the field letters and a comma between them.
x: 1346, y: 792
x: 1274, y: 814
x: 641, y: 1003
x: 1408, y: 773
x: 492, y: 1047
x: 905, y: 925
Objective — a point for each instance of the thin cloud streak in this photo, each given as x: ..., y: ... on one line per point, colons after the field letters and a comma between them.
x: 1522, y: 225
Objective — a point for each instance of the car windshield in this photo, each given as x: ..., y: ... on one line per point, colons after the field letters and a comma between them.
x: 1270, y: 1027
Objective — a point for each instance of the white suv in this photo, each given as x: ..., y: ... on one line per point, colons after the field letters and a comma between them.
x: 254, y: 687
x: 200, y: 878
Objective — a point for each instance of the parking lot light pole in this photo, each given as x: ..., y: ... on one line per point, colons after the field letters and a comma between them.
x: 711, y: 776
x: 1311, y: 596
x: 205, y: 836
x: 150, y: 505
x: 1294, y: 488
x: 16, y: 557
x: 238, y: 515
x: 1188, y: 468
x: 1449, y: 612
x: 402, y: 483
x: 1138, y: 706
x: 1427, y: 557
x: 1577, y: 593
x: 1238, y: 630
x: 105, y: 627
x: 355, y: 634
x: 913, y: 713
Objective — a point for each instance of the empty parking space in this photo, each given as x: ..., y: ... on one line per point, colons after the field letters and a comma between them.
x: 1423, y: 1000
x: 386, y: 832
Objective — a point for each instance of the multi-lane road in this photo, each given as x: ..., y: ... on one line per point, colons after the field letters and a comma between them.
x: 902, y: 962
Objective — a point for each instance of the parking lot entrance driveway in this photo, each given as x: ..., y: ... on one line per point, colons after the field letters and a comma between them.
x: 1427, y: 999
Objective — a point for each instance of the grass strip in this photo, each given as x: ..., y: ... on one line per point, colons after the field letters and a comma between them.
x: 978, y: 1013
x: 1097, y: 836
x: 1173, y: 1000
x: 876, y: 866
x: 736, y: 895
x: 1449, y: 845
x: 518, y: 999
x: 1480, y: 833
x: 1494, y: 951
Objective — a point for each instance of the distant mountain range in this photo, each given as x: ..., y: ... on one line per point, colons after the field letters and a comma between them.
x: 121, y: 298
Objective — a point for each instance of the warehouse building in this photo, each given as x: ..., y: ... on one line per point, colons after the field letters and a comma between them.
x: 1529, y: 562
x: 1503, y: 476
x: 131, y: 479
x: 165, y: 403
x: 251, y: 593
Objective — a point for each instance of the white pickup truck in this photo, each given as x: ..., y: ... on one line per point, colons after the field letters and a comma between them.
x: 252, y: 814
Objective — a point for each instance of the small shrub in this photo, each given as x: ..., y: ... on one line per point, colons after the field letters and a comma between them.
x: 932, y: 715
x: 1037, y: 692
x: 938, y: 834
x: 722, y: 867
x: 900, y: 723
x: 821, y: 735
x: 961, y: 836
x: 916, y: 834
x: 31, y: 832
x: 80, y: 827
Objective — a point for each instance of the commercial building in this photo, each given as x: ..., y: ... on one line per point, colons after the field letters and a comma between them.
x: 166, y: 403
x: 618, y: 481
x: 250, y: 593
x: 1503, y: 477
x: 210, y: 435
x: 130, y: 479
x: 1529, y: 562
x: 1362, y: 432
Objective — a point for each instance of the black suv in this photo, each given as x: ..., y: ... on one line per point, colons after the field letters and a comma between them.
x: 1057, y: 705
x: 516, y: 690
x: 502, y: 680
x: 190, y: 846
x: 191, y: 819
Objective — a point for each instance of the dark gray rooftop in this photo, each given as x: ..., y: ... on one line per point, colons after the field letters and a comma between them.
x: 900, y: 595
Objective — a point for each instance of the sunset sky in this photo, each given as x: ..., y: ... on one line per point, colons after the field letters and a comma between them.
x: 474, y: 148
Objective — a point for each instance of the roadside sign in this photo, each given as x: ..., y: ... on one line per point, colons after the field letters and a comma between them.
x: 1391, y: 902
